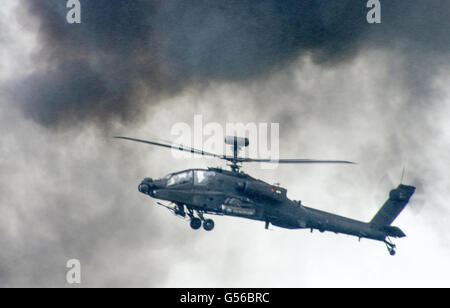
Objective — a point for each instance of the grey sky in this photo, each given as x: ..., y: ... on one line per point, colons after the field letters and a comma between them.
x: 67, y: 190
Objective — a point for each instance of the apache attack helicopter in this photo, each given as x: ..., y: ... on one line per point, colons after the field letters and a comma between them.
x: 196, y: 192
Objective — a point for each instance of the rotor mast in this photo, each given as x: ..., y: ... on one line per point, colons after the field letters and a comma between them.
x: 237, y: 143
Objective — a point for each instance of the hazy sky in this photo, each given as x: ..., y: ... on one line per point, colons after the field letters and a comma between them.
x: 338, y: 87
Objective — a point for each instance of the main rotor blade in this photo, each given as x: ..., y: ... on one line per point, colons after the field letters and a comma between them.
x: 296, y: 161
x: 174, y: 146
x: 180, y: 147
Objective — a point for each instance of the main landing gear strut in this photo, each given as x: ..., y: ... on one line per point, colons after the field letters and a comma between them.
x: 196, y: 222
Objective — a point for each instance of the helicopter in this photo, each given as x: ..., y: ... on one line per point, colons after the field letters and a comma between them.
x: 194, y: 193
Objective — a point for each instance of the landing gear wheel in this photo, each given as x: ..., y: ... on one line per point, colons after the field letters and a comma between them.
x: 208, y: 224
x: 195, y: 223
x: 390, y: 247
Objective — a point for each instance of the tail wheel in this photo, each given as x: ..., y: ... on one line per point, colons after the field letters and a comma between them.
x: 391, y: 247
x: 208, y: 224
x: 195, y: 223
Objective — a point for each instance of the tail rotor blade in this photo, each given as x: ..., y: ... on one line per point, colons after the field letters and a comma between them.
x: 418, y: 200
x: 388, y: 182
x: 384, y: 186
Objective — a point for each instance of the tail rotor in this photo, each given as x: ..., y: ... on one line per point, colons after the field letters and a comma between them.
x: 389, y: 181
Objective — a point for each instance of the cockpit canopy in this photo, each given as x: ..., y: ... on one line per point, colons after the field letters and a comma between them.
x: 197, y: 177
x: 179, y: 178
x: 203, y: 177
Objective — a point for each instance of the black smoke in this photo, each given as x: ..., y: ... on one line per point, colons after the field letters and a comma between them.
x: 127, y: 55
x: 73, y: 194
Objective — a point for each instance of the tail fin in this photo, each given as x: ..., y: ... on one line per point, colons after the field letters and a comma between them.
x: 398, y: 199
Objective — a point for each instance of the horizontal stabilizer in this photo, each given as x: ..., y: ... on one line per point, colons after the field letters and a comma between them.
x: 393, y: 231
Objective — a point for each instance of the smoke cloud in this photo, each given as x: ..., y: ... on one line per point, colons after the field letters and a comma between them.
x: 339, y: 87
x: 128, y: 55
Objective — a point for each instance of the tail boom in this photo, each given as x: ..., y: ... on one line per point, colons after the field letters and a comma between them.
x: 379, y: 228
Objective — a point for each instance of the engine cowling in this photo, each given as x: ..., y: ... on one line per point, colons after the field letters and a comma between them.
x: 262, y: 190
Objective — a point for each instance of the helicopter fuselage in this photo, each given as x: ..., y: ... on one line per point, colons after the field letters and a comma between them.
x: 223, y: 192
x: 195, y: 192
